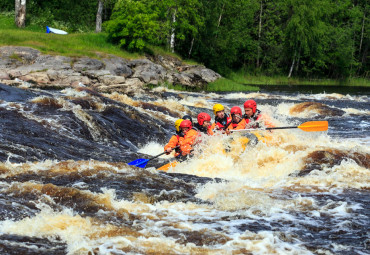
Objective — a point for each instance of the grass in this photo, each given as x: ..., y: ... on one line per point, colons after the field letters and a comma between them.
x: 220, y: 85
x: 224, y: 84
x: 72, y: 45
x: 243, y: 78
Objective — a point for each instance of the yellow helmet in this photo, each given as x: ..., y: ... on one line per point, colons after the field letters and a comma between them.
x: 217, y: 108
x: 177, y: 124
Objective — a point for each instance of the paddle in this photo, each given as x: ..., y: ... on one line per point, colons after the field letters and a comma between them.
x: 142, y: 162
x: 310, y: 126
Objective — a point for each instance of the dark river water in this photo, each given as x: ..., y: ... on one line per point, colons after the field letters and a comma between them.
x: 66, y: 187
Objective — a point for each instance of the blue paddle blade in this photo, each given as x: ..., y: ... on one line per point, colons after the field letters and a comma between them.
x: 141, y: 162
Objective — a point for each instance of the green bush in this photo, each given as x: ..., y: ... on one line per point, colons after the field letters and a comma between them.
x: 135, y: 24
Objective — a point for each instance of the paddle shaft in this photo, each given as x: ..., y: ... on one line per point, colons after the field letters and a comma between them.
x: 163, y: 153
x: 261, y: 129
x: 309, y: 126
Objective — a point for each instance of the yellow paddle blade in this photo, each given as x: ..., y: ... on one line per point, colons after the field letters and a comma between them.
x: 168, y: 166
x: 312, y: 126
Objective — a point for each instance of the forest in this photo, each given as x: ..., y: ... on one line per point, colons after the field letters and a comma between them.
x: 293, y: 38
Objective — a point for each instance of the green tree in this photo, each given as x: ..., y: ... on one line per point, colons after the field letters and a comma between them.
x: 134, y: 24
x: 226, y: 40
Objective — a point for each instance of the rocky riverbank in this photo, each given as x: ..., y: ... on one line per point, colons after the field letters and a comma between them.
x: 20, y: 66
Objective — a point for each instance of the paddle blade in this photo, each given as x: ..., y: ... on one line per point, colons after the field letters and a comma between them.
x: 312, y: 126
x: 141, y: 162
x: 168, y: 166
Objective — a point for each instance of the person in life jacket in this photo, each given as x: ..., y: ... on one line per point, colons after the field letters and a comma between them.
x: 253, y: 117
x: 174, y: 141
x: 204, y: 123
x: 237, y: 121
x: 189, y: 138
x: 187, y: 117
x: 184, y: 140
x: 221, y: 119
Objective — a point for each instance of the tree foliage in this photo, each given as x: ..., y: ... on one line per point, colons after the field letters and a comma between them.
x: 301, y: 38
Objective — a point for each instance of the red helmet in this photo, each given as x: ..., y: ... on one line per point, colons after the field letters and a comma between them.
x: 186, y: 124
x: 236, y: 110
x: 203, y: 117
x: 251, y: 104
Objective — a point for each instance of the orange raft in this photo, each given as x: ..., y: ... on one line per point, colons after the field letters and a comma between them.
x: 247, y: 141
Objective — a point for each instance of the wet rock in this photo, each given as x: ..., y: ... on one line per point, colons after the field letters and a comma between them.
x: 314, y: 107
x: 317, y: 160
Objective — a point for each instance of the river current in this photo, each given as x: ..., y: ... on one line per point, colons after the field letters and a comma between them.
x: 66, y: 187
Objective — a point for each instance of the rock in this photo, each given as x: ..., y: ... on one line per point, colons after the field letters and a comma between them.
x: 168, y: 62
x: 24, y: 70
x: 66, y: 78
x: 40, y: 78
x: 183, y: 79
x: 118, y: 66
x: 84, y: 64
x: 131, y: 86
x: 203, y: 73
x: 54, y: 62
x: 55, y: 75
x: 150, y: 72
x: 4, y: 75
x: 25, y: 54
x: 111, y: 79
x: 95, y: 74
x: 139, y: 62
x: 6, y: 62
x: 111, y: 74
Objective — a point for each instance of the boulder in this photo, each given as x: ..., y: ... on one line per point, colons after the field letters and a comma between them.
x: 205, y: 74
x: 40, y: 78
x: 110, y: 74
x: 150, y: 73
x: 111, y: 79
x: 54, y: 62
x: 25, y: 54
x: 118, y: 66
x: 131, y: 86
x: 84, y: 64
x: 4, y: 75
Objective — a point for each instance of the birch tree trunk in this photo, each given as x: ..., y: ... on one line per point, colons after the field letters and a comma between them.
x: 259, y: 37
x: 362, y: 32
x: 220, y: 18
x: 20, y: 13
x: 292, y: 66
x: 99, y: 17
x: 172, y: 39
x: 191, y: 47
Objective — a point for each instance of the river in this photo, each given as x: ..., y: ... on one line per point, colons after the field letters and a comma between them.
x: 66, y: 187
